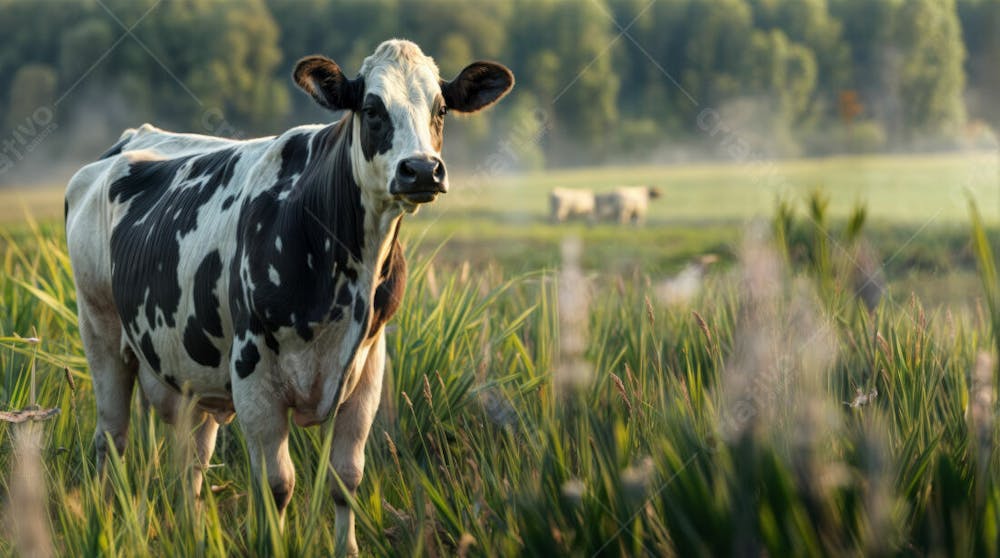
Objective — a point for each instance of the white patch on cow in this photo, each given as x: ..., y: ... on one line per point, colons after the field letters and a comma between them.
x: 309, y: 260
x: 272, y: 274
x: 258, y: 227
x: 277, y: 243
x: 326, y: 245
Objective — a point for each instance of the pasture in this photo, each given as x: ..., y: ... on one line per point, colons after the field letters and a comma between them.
x: 771, y: 413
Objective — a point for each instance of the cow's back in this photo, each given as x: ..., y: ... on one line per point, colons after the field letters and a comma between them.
x: 88, y: 209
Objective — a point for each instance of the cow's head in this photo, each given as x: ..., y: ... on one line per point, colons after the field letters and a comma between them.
x: 398, y: 103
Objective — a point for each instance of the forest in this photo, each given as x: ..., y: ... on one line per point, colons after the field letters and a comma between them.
x: 597, y: 81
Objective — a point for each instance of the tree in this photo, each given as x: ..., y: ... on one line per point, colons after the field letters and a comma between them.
x: 980, y: 20
x: 810, y: 24
x: 34, y: 87
x: 205, y: 55
x: 931, y: 77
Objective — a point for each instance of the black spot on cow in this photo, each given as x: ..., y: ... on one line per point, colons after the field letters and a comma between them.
x: 294, y: 156
x: 145, y: 249
x: 115, y: 149
x: 376, y: 127
x: 172, y: 382
x: 228, y: 202
x: 247, y: 363
x: 360, y: 308
x: 336, y: 314
x: 344, y: 297
x: 272, y: 342
x: 206, y: 303
x: 206, y: 319
x: 198, y: 346
x: 149, y: 352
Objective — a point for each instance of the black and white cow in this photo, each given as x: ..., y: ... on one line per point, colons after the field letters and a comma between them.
x: 257, y: 276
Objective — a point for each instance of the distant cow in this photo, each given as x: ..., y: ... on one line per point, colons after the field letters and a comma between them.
x: 257, y: 276
x: 565, y: 203
x: 625, y: 204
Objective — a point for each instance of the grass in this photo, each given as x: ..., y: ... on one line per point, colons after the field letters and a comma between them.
x: 770, y: 414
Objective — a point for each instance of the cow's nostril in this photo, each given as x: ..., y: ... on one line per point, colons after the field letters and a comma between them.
x: 438, y: 171
x: 406, y: 171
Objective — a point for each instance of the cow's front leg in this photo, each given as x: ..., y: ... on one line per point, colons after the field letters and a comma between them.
x: 350, y: 433
x: 204, y: 446
x: 265, y: 426
x: 263, y: 414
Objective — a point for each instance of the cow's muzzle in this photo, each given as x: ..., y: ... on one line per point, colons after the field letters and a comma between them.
x: 419, y: 179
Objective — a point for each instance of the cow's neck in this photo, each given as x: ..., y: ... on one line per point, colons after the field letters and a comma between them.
x: 336, y: 211
x: 352, y: 236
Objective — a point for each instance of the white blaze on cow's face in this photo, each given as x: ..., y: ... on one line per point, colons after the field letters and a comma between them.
x: 398, y: 130
x: 398, y: 105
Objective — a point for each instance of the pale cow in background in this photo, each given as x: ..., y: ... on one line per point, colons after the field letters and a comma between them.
x: 625, y: 204
x: 565, y: 203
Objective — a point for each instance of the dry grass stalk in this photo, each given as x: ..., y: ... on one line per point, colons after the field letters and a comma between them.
x: 982, y: 407
x: 27, y: 515
x: 572, y: 372
x: 621, y: 391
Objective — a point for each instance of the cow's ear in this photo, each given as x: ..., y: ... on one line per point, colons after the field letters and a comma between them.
x: 321, y: 77
x: 478, y: 86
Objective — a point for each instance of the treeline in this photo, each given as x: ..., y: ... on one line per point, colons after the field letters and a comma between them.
x: 687, y: 77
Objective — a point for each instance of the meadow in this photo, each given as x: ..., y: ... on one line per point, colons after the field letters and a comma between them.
x: 544, y: 398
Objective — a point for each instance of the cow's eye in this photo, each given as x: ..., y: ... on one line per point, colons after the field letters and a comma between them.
x: 443, y: 110
x: 370, y: 112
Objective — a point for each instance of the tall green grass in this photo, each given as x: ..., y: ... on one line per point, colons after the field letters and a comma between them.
x: 723, y: 425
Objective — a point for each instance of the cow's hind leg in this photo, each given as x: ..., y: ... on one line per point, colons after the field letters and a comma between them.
x: 113, y: 373
x: 196, y: 429
x: 350, y: 433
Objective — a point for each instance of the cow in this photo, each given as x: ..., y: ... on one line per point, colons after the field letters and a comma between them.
x: 256, y: 277
x: 565, y: 203
x: 625, y: 204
